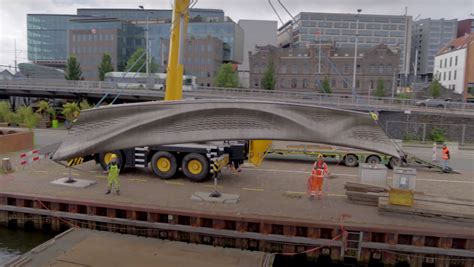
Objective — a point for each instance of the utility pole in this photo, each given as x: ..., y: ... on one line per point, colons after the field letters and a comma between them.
x: 415, y: 68
x: 15, y: 59
x: 319, y: 52
x: 393, y: 86
x: 355, y: 54
x: 146, y: 45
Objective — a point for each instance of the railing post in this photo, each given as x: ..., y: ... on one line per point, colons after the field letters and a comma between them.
x: 463, y: 134
x: 424, y: 133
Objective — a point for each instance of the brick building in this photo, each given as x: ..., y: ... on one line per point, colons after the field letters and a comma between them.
x: 298, y: 68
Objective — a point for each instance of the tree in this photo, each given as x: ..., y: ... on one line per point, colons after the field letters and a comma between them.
x: 380, y: 90
x: 73, y: 69
x: 137, y: 56
x: 435, y: 89
x: 269, y: 80
x: 325, y: 87
x: 71, y: 111
x: 105, y: 66
x: 226, y: 77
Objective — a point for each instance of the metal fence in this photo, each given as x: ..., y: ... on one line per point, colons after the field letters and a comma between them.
x: 424, y: 132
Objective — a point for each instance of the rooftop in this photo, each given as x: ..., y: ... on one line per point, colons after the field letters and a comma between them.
x: 457, y: 44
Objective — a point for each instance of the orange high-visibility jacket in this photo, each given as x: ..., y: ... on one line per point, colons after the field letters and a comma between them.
x: 445, y: 154
x: 319, y: 171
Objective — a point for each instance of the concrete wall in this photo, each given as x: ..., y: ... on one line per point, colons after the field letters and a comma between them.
x: 419, y: 127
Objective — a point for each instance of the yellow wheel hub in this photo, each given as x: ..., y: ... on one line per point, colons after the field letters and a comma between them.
x: 108, y: 158
x: 195, y: 166
x: 163, y: 164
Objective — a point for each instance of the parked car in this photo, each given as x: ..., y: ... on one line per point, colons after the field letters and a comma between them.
x: 432, y: 103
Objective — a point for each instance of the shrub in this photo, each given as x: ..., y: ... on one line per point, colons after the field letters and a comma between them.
x: 437, y: 135
x: 5, y: 109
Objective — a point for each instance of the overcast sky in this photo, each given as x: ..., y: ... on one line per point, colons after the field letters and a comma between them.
x: 13, y: 12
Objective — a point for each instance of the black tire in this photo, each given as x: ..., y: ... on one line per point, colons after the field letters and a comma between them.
x: 394, y: 162
x: 373, y: 159
x: 203, y: 171
x: 351, y: 160
x: 103, y: 161
x: 172, y: 164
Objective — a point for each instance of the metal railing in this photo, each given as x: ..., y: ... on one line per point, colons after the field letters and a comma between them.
x: 332, y: 100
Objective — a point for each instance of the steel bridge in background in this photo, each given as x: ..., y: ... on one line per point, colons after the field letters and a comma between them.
x: 97, y: 90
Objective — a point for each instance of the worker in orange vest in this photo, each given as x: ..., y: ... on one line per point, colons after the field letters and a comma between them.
x: 445, y: 156
x: 315, y: 181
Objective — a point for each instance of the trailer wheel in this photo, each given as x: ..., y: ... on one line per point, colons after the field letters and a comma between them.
x: 164, y: 164
x: 104, y: 159
x: 394, y: 162
x: 195, y: 167
x: 351, y: 160
x: 373, y: 159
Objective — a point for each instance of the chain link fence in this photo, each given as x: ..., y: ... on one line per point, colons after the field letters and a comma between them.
x: 428, y: 132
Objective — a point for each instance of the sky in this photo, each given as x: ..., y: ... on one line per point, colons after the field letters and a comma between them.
x: 13, y: 12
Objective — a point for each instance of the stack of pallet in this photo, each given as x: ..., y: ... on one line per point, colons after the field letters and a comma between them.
x: 364, y: 194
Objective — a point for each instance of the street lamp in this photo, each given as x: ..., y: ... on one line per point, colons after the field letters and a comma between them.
x: 355, y: 53
x: 146, y: 41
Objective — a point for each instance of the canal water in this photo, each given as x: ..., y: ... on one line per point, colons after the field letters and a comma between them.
x: 17, y: 242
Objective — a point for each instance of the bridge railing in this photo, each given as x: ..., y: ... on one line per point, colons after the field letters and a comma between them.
x: 338, y: 100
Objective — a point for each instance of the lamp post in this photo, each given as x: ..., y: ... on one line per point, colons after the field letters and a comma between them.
x: 147, y: 60
x: 355, y: 53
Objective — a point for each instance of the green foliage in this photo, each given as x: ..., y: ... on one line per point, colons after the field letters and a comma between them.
x: 71, y: 111
x: 73, y: 69
x: 105, y: 66
x: 326, y: 87
x: 141, y: 62
x: 380, y: 90
x: 24, y: 112
x: 32, y: 120
x: 5, y: 109
x: 409, y: 137
x: 269, y: 80
x: 226, y: 77
x: 84, y: 105
x: 437, y: 135
x: 13, y: 118
x: 435, y: 89
x: 403, y: 96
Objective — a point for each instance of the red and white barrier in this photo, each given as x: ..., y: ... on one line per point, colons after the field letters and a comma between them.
x: 30, y: 157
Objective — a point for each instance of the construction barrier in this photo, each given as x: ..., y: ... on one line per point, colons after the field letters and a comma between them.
x: 30, y: 157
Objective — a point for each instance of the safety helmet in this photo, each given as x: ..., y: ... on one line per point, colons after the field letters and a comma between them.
x: 113, y: 156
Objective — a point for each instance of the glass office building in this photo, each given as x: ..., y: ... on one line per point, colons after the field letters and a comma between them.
x: 428, y: 37
x: 48, y: 38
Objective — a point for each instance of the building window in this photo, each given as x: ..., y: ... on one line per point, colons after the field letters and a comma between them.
x: 294, y: 69
x: 444, y: 76
x: 357, y: 84
x: 256, y: 68
x: 371, y: 85
x: 282, y: 83
x: 446, y: 62
x: 440, y: 64
x: 256, y: 83
x: 449, y: 76
x: 456, y: 61
x: 344, y: 84
x: 305, y: 83
x: 333, y: 83
x: 372, y: 68
x: 455, y: 74
x: 451, y: 61
x: 346, y: 68
x: 283, y: 68
x: 294, y: 83
x: 305, y: 68
x: 381, y: 67
x: 389, y: 68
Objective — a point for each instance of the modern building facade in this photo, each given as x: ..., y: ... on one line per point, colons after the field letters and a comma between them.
x: 257, y: 33
x: 428, y: 37
x: 454, y: 65
x: 47, y: 36
x: 120, y: 32
x: 465, y: 27
x: 301, y: 69
x: 340, y: 29
x: 202, y: 58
